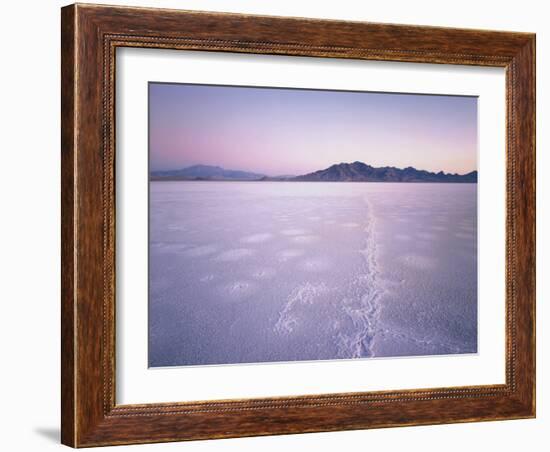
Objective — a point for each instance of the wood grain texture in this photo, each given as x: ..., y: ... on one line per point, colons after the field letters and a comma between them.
x: 67, y: 226
x: 90, y: 36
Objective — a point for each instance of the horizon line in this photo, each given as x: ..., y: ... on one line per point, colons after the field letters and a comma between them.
x: 321, y: 169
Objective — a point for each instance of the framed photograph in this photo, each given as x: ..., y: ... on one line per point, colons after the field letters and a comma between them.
x: 281, y: 225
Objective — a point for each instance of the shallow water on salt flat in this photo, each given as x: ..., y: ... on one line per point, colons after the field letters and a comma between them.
x: 247, y: 272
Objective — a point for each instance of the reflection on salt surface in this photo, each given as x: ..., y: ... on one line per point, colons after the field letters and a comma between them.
x: 249, y: 272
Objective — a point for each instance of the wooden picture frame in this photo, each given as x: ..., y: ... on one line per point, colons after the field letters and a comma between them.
x: 90, y: 36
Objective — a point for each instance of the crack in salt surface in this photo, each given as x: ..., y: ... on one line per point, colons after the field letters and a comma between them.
x: 355, y: 307
x: 304, y: 294
x: 364, y: 310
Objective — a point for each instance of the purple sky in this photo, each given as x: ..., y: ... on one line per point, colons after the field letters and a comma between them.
x: 292, y: 131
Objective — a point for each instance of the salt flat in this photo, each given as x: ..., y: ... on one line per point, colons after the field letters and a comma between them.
x: 246, y: 272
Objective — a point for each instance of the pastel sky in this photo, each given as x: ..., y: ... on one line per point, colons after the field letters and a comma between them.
x: 279, y: 131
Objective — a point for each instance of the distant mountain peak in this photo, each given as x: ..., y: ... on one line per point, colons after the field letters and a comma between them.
x: 204, y: 172
x: 200, y: 167
x: 362, y: 172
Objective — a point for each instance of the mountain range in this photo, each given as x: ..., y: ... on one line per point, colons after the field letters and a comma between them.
x: 361, y: 172
x: 204, y: 172
x: 340, y: 172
